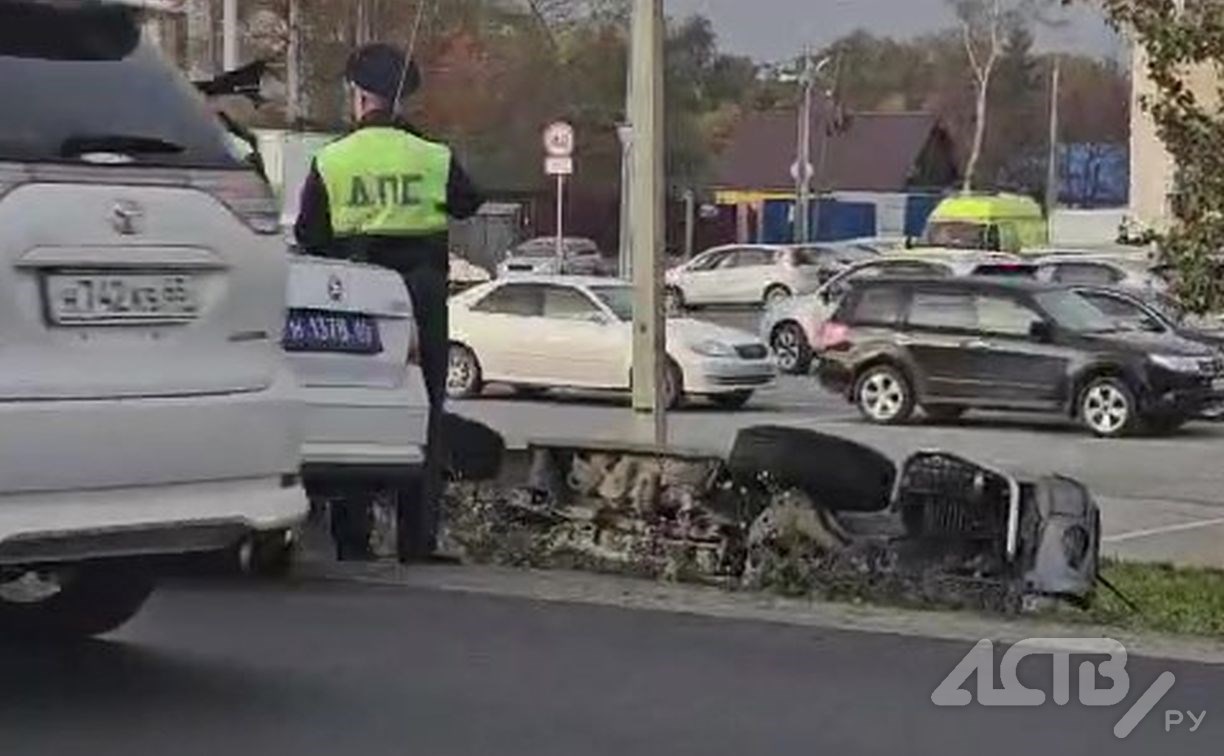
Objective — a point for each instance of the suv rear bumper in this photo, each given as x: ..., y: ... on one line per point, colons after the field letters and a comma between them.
x: 164, y: 520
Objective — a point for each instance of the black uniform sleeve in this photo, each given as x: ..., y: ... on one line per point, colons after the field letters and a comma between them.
x: 313, y: 227
x: 462, y: 197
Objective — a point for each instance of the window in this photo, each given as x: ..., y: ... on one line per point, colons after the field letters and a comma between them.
x: 87, y: 83
x: 618, y: 299
x: 1004, y: 316
x: 943, y: 310
x: 565, y: 303
x: 1074, y: 313
x: 1085, y: 273
x: 878, y: 305
x: 1124, y: 311
x: 751, y: 258
x: 525, y: 300
x: 709, y: 260
x: 811, y: 256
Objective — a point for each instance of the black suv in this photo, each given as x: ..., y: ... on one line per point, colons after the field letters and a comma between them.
x: 948, y: 345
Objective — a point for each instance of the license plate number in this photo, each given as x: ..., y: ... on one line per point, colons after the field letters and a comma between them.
x: 323, y: 331
x: 75, y: 298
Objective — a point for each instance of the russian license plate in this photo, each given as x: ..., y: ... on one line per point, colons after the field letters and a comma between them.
x: 79, y: 298
x: 326, y: 331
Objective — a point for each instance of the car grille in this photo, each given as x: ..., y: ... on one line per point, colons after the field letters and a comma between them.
x: 752, y: 351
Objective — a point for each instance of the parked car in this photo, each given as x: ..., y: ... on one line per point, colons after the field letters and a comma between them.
x: 148, y: 410
x: 465, y: 274
x: 1132, y: 271
x: 791, y: 327
x: 351, y: 338
x: 744, y: 274
x: 580, y: 257
x: 949, y: 345
x: 544, y: 332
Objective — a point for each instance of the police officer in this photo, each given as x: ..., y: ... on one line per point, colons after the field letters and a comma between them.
x: 383, y: 194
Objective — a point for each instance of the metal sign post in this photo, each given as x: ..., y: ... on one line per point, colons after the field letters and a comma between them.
x: 559, y: 162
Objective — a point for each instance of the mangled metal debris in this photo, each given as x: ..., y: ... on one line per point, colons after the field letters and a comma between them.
x: 792, y: 510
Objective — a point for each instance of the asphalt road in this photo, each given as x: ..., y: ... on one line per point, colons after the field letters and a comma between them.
x: 1162, y: 497
x: 330, y: 668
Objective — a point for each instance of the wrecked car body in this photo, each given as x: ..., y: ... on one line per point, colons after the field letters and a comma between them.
x: 795, y: 510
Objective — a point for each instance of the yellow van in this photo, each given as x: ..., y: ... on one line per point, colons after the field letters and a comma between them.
x: 996, y: 222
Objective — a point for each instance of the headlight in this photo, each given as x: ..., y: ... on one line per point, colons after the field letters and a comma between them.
x: 712, y: 348
x: 1176, y: 363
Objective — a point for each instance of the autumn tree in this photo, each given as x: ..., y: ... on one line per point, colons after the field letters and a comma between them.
x: 1179, y: 38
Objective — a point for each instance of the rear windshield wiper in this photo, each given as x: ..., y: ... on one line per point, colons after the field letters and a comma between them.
x: 124, y: 144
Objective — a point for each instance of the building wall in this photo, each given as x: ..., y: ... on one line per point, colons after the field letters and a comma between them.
x: 1152, y: 169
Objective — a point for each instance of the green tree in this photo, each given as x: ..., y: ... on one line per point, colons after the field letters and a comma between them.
x: 1179, y: 37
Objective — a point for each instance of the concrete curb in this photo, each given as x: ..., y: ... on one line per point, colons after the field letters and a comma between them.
x: 640, y: 595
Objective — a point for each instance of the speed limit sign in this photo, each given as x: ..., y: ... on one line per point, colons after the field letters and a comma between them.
x: 559, y: 140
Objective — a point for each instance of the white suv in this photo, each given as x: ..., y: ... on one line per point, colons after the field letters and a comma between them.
x: 146, y: 407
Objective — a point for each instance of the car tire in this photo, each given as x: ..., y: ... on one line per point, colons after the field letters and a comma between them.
x: 884, y: 395
x: 673, y: 300
x: 839, y: 474
x: 272, y: 555
x: 775, y: 294
x: 791, y: 349
x: 733, y: 401
x: 472, y: 450
x: 944, y: 413
x: 1107, y: 408
x: 91, y: 601
x: 463, y: 375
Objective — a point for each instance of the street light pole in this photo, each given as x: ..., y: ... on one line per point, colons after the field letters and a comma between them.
x: 646, y: 210
x: 803, y: 154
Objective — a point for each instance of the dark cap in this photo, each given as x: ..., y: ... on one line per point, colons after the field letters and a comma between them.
x: 377, y: 68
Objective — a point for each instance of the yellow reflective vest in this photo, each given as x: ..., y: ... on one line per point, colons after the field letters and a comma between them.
x: 384, y: 181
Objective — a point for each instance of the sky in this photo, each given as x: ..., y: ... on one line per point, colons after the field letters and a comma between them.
x: 772, y: 30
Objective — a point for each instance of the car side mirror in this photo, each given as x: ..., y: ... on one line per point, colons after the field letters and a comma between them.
x: 597, y: 318
x: 1041, y: 332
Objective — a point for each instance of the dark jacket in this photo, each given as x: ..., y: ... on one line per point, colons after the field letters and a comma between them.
x: 314, y: 232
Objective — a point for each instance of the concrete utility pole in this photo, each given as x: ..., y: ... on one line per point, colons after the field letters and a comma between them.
x: 646, y: 208
x: 294, y: 111
x: 201, y: 62
x: 230, y: 52
x: 1051, y: 197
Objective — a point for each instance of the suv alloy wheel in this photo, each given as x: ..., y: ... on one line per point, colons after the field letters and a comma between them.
x: 884, y: 395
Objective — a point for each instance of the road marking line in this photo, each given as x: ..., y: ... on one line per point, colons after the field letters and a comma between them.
x: 1180, y: 527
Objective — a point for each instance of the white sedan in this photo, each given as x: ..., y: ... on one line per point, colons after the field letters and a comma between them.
x: 539, y: 332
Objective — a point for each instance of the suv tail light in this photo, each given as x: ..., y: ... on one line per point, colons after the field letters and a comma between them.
x: 245, y: 194
x: 833, y: 335
x: 414, y: 345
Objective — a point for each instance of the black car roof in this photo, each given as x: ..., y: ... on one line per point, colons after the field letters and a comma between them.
x: 971, y: 283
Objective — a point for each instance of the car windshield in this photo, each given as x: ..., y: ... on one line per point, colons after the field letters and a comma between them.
x: 1074, y: 313
x: 957, y: 235
x: 88, y: 85
x: 618, y: 299
x: 548, y: 248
